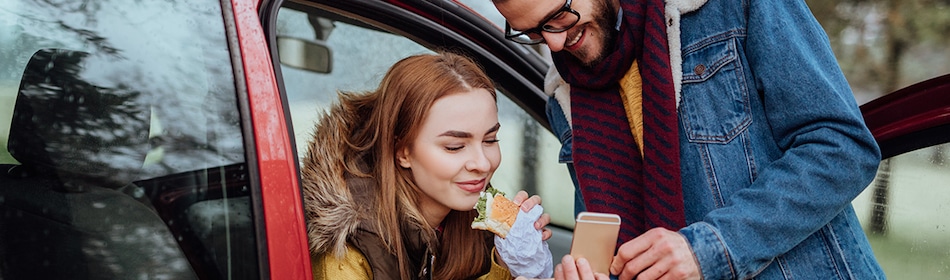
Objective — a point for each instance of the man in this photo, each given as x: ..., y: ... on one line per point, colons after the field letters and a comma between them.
x: 723, y: 133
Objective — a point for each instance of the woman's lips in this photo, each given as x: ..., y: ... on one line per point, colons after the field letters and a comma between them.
x: 472, y: 186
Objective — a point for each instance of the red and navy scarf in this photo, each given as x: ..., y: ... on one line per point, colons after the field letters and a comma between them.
x: 646, y: 192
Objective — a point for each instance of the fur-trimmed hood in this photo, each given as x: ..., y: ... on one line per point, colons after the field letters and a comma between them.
x: 339, y: 205
x: 334, y: 200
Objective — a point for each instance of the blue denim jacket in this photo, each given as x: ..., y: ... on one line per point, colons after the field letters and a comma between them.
x: 773, y: 146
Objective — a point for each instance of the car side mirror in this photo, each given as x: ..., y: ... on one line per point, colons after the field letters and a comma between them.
x: 314, y: 56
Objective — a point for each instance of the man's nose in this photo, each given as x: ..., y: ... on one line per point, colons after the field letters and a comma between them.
x: 555, y: 41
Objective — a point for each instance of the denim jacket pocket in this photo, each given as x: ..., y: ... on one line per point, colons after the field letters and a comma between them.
x: 715, y: 101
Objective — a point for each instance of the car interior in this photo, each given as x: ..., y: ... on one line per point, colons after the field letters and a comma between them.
x: 72, y: 199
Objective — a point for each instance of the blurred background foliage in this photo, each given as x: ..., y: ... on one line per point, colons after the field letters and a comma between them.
x: 884, y: 45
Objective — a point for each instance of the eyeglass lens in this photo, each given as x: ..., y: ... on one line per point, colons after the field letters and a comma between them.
x: 564, y: 19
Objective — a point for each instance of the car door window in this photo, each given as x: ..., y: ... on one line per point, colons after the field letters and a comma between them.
x: 122, y: 148
x: 361, y: 53
x: 904, y: 213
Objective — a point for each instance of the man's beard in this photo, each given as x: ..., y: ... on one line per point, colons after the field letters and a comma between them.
x: 606, y: 19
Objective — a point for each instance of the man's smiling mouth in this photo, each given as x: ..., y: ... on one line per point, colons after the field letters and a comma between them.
x: 577, y: 38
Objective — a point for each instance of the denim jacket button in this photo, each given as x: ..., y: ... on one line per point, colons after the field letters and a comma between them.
x: 699, y: 69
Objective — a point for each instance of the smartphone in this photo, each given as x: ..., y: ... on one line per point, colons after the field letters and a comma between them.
x: 595, y: 239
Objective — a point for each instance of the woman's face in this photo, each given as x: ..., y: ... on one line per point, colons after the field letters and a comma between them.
x: 455, y: 153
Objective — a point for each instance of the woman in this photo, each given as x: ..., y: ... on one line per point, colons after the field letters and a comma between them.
x: 392, y: 176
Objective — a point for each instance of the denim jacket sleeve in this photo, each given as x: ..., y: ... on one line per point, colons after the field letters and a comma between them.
x: 558, y: 112
x: 826, y: 155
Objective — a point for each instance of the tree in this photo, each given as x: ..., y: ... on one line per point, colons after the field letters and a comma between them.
x: 883, y: 45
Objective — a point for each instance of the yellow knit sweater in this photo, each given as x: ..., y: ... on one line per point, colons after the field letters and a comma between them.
x: 631, y: 92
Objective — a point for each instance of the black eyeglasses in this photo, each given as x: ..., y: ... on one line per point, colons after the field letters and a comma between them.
x: 562, y: 20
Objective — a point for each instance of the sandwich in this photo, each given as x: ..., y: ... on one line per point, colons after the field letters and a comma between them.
x: 496, y: 213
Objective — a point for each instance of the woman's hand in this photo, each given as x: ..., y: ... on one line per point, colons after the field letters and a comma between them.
x: 579, y: 269
x: 521, y: 198
x: 524, y: 251
x: 570, y: 269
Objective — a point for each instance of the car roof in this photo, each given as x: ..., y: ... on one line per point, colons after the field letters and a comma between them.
x: 911, y: 118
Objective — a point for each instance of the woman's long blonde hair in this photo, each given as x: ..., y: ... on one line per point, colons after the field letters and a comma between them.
x: 387, y: 120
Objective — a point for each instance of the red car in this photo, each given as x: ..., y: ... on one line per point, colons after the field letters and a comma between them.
x: 160, y: 139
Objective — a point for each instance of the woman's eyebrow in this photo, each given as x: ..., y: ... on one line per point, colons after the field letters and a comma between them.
x: 456, y: 134
x: 463, y: 134
x: 493, y: 128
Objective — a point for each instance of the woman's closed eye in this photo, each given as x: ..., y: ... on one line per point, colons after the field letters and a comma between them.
x: 455, y: 148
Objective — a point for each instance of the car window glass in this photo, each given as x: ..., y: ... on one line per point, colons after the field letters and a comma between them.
x: 904, y: 213
x: 122, y: 151
x: 360, y: 56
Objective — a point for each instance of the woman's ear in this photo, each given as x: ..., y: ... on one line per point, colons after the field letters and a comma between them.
x: 403, y: 157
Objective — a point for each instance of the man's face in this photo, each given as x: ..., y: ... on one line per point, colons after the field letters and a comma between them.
x: 587, y: 40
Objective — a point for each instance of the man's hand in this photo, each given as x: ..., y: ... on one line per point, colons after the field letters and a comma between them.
x: 657, y: 254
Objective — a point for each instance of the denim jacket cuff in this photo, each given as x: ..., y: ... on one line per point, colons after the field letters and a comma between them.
x: 710, y: 251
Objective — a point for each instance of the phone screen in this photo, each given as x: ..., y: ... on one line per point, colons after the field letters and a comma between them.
x: 595, y: 239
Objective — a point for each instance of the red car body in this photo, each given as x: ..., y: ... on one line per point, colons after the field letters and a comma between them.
x: 287, y: 251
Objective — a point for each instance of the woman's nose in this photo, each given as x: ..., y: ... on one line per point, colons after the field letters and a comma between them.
x: 479, y: 161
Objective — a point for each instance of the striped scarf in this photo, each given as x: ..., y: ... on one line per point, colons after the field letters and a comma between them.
x: 645, y: 191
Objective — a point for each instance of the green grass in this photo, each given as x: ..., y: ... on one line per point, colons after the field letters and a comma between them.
x: 916, y: 243
x: 918, y: 259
